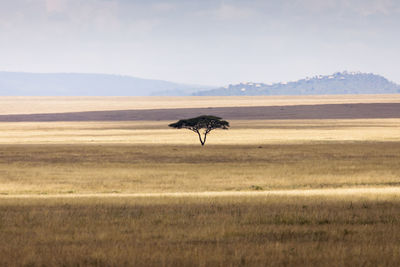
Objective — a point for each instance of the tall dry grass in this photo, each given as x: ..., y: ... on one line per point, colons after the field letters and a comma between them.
x: 272, y: 231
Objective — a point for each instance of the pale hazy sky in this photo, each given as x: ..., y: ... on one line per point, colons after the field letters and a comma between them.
x: 202, y: 42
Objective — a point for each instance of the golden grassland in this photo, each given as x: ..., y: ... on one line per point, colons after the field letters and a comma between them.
x: 241, y: 132
x: 72, y: 158
x: 30, y: 105
x: 111, y: 168
x: 271, y: 231
x: 143, y: 157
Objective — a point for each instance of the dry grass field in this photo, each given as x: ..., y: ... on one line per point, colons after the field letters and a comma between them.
x: 49, y: 169
x: 272, y: 231
x: 254, y: 132
x: 65, y: 188
x: 34, y: 105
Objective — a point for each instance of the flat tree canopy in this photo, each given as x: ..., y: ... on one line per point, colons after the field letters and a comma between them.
x: 204, y: 123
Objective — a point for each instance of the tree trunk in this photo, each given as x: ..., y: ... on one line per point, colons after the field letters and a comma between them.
x: 201, y: 141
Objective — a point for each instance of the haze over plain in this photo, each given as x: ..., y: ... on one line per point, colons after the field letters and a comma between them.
x: 201, y: 42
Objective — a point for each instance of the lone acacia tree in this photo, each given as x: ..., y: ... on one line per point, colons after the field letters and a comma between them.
x: 204, y: 123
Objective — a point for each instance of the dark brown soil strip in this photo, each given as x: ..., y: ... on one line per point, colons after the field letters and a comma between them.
x: 328, y: 111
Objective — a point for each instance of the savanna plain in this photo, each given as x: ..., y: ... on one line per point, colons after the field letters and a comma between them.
x: 263, y: 193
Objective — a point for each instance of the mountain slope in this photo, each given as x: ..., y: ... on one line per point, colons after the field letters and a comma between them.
x: 338, y: 83
x: 74, y: 84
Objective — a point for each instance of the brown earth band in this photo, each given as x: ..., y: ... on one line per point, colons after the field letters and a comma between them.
x: 326, y: 111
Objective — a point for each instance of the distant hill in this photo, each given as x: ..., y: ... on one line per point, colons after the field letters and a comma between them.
x: 338, y: 83
x: 74, y: 84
